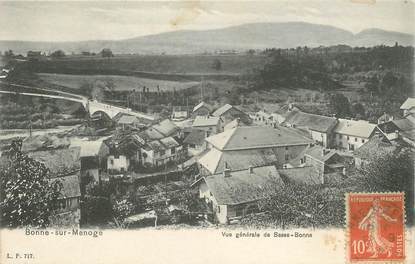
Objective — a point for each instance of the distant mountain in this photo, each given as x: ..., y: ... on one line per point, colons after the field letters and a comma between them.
x: 243, y: 37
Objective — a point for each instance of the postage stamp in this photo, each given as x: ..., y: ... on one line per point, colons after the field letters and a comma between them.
x: 375, y: 226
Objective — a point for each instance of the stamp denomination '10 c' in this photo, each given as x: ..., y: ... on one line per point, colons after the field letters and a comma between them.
x: 375, y: 226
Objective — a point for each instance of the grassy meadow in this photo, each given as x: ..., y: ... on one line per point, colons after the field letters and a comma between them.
x: 121, y: 83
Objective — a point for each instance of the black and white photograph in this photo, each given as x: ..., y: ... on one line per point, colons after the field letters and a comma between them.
x: 159, y: 116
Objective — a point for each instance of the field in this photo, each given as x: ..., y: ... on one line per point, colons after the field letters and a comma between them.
x: 165, y: 64
x: 121, y: 83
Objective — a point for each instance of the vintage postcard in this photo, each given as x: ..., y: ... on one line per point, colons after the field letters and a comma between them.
x: 198, y: 132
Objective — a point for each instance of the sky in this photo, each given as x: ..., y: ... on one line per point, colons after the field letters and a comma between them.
x: 90, y: 20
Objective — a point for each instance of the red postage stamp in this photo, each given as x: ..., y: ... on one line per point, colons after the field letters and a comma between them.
x: 375, y: 226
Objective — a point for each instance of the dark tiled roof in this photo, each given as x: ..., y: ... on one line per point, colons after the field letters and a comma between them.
x: 202, y: 104
x: 166, y: 128
x: 196, y: 137
x: 311, y: 121
x: 376, y: 146
x: 215, y: 160
x: 242, y: 186
x: 43, y: 142
x: 316, y: 152
x: 60, y: 161
x: 256, y: 137
x: 302, y: 175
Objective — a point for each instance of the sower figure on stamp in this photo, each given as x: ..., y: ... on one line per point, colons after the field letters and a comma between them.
x: 371, y: 222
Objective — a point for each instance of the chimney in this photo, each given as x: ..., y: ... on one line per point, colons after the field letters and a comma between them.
x: 227, y: 172
x: 250, y: 169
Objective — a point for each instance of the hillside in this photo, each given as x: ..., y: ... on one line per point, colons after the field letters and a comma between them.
x: 243, y: 37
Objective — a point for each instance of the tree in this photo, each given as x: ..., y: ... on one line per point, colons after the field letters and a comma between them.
x: 390, y: 172
x: 106, y: 53
x: 302, y: 206
x: 358, y: 111
x: 28, y: 198
x: 8, y: 54
x: 58, y: 54
x: 217, y: 65
x: 339, y: 105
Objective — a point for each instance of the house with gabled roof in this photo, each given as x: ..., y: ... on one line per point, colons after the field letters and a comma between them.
x: 202, y: 109
x: 210, y: 124
x: 246, y: 146
x: 159, y: 152
x: 318, y: 127
x: 167, y: 128
x: 130, y: 122
x: 64, y: 165
x: 377, y: 146
x: 93, y: 157
x: 324, y: 161
x: 229, y: 113
x: 408, y: 106
x: 195, y: 142
x: 351, y: 134
x: 233, y: 194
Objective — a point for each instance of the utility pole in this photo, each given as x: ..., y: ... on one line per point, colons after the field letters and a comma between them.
x: 201, y: 89
x: 30, y: 128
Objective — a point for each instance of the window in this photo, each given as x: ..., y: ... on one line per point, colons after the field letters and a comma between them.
x: 287, y: 157
x: 239, y: 211
x: 351, y: 147
x: 286, y: 148
x: 355, y: 139
x: 111, y: 161
x: 363, y: 141
x: 218, y: 209
x: 348, y: 137
x: 252, y: 209
x: 162, y: 152
x: 173, y: 150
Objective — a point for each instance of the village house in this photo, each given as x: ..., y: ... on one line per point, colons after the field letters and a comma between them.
x: 130, y: 122
x: 64, y: 165
x: 235, y: 194
x: 68, y: 214
x: 385, y: 118
x: 403, y: 128
x: 325, y: 161
x: 254, y: 146
x: 167, y: 128
x: 195, y: 142
x: 210, y: 124
x: 263, y: 118
x: 117, y: 163
x: 408, y: 106
x: 179, y: 115
x: 350, y: 134
x: 129, y: 145
x: 202, y: 109
x: 281, y: 114
x: 319, y: 128
x: 377, y: 146
x: 235, y: 123
x: 229, y: 113
x: 157, y: 153
x: 93, y: 158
